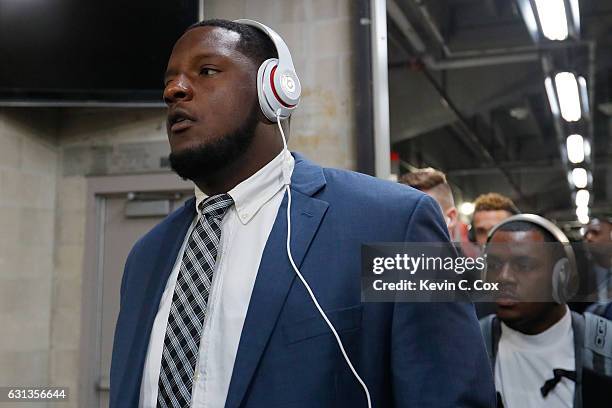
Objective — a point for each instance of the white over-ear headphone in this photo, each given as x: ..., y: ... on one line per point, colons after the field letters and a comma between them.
x: 278, y: 86
x: 279, y: 89
x: 565, y: 271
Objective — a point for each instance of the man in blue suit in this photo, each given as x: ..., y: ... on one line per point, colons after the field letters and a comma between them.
x: 212, y: 312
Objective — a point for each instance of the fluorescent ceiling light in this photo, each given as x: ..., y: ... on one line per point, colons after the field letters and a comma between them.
x: 466, y: 208
x: 580, y: 177
x: 587, y: 148
x: 582, y: 213
x: 529, y: 18
x: 575, y: 13
x: 569, y: 98
x: 552, y: 99
x: 584, y: 93
x: 553, y: 19
x: 582, y: 210
x: 583, y: 218
x: 575, y: 148
x: 582, y: 198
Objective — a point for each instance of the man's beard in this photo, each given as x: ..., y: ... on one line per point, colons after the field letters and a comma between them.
x: 209, y: 157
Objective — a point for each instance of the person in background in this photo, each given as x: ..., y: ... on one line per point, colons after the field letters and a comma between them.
x: 489, y: 210
x: 433, y: 182
x: 543, y: 354
x: 598, y: 236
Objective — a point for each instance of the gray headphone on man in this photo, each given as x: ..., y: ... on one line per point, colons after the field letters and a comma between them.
x: 565, y: 271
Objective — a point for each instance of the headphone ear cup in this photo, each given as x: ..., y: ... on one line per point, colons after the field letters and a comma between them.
x: 268, y: 101
x: 263, y: 78
x: 561, y: 281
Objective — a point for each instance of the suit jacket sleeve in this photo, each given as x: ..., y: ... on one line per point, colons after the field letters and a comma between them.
x: 437, y: 353
x: 119, y: 345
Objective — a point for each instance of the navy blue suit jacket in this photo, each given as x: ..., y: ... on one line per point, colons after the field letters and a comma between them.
x: 409, y: 354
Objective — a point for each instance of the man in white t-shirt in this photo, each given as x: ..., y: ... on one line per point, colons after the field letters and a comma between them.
x: 536, y: 344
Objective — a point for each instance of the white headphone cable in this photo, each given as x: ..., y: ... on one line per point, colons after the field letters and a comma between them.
x: 299, y: 274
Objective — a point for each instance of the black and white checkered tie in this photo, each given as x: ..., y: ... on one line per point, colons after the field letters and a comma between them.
x: 182, y: 341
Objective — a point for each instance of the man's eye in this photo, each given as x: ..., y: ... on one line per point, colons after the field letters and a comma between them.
x: 525, y: 265
x: 494, y: 265
x: 208, y: 71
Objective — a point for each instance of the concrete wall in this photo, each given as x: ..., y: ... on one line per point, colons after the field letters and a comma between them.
x: 46, y: 157
x: 28, y: 164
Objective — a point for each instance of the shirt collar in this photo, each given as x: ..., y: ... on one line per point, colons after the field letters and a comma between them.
x: 548, y: 338
x: 251, y: 194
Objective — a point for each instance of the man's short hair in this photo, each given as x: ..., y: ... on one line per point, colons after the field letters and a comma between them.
x: 253, y: 42
x: 434, y: 182
x: 495, y: 202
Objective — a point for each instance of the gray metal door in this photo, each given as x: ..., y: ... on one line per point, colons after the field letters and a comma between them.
x: 122, y: 219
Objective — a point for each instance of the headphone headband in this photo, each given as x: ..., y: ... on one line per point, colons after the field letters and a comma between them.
x: 284, y: 56
x: 280, y: 86
x: 532, y: 219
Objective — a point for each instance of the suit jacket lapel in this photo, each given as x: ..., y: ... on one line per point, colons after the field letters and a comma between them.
x: 169, y: 244
x: 276, y: 275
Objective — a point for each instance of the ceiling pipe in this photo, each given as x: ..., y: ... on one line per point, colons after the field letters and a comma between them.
x: 407, y: 29
x: 461, y: 63
x: 476, y: 58
x: 544, y: 166
x: 433, y: 27
x: 471, y: 139
x: 518, y: 49
x: 413, y: 37
x: 449, y: 55
x: 481, y: 61
x: 472, y: 59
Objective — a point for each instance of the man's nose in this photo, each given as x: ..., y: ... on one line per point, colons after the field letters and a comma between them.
x: 505, y: 274
x: 177, y: 90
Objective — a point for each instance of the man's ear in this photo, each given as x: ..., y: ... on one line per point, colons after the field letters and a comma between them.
x: 451, y: 213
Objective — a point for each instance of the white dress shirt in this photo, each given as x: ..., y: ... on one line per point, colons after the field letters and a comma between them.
x: 244, y: 232
x: 524, y: 363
